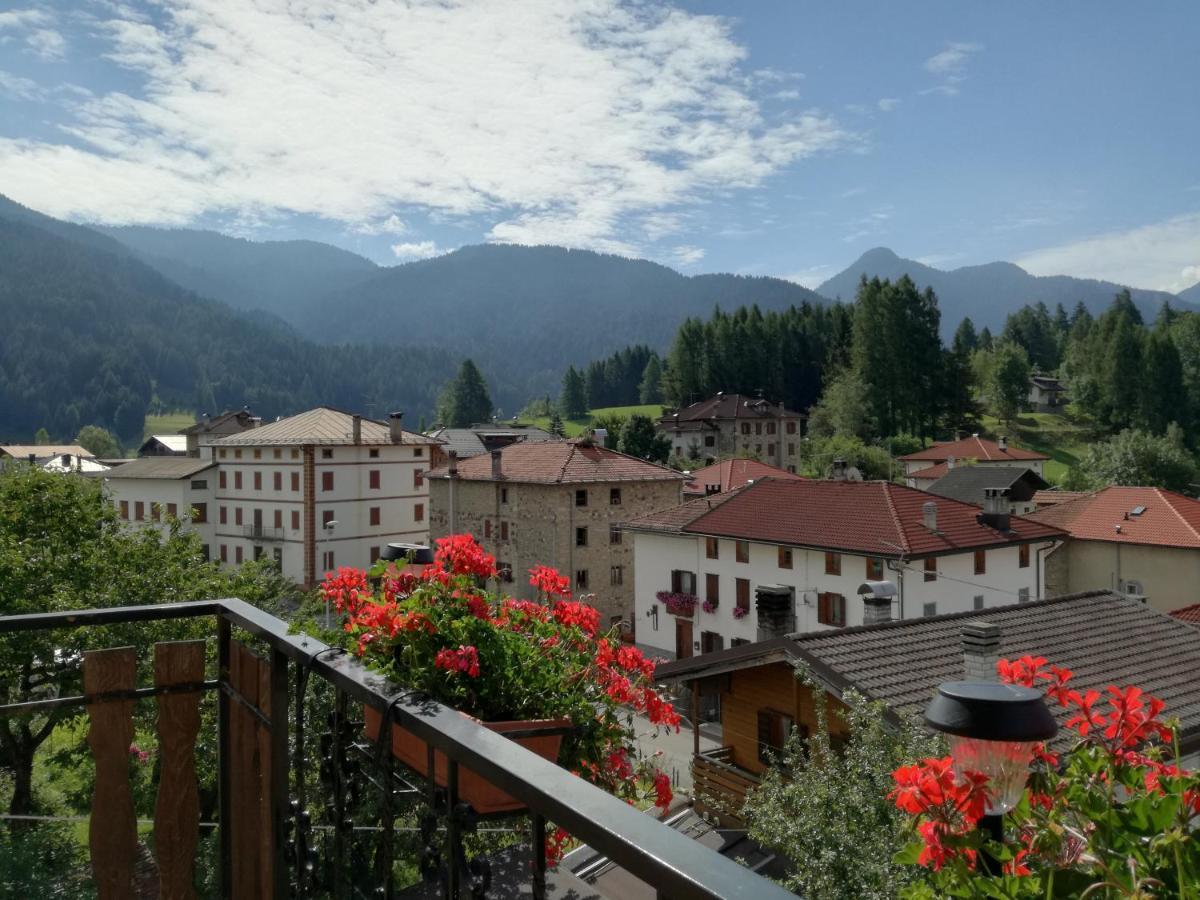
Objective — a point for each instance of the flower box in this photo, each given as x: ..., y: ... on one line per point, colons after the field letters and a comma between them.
x: 484, y: 796
x: 709, y: 606
x: 677, y: 604
x: 740, y: 612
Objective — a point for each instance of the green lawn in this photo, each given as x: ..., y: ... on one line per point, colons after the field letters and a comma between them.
x: 1063, y: 439
x: 170, y: 423
x: 576, y: 427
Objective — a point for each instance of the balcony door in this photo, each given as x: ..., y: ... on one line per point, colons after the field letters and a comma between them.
x: 683, y: 638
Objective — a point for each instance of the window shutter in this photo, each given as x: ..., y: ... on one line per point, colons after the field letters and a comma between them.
x: 823, y: 608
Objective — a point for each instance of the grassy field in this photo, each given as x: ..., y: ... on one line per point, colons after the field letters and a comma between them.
x: 575, y: 427
x: 1063, y: 439
x: 168, y: 424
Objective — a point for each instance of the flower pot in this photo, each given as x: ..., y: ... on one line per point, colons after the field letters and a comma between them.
x: 484, y: 796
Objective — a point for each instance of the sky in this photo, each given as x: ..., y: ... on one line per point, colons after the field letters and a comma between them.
x: 768, y: 138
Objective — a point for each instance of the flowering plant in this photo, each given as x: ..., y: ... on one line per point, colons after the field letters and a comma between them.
x: 440, y: 631
x: 740, y: 612
x: 677, y: 604
x: 1109, y: 814
x: 709, y: 606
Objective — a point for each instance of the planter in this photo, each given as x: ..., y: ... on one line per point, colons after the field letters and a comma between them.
x: 484, y: 796
x: 678, y: 604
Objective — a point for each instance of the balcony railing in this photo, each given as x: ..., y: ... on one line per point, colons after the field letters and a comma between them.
x: 262, y: 533
x: 720, y: 787
x: 306, y: 807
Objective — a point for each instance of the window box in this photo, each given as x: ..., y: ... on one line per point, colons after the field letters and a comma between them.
x: 740, y: 612
x: 678, y: 604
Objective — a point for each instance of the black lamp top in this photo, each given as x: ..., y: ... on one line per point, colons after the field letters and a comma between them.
x: 991, y: 711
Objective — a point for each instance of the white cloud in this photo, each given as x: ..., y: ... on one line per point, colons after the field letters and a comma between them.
x: 937, y: 260
x: 790, y: 94
x: 391, y: 225
x: 953, y: 59
x: 812, y: 277
x: 1163, y: 256
x: 563, y: 122
x: 18, y: 88
x: 687, y: 256
x: 856, y: 191
x: 416, y: 250
x: 34, y: 24
x: 887, y: 104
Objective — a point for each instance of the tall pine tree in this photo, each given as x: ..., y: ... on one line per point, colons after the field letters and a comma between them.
x: 465, y: 400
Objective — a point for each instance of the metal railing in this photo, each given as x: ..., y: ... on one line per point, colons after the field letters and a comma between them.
x: 263, y: 532
x: 674, y: 865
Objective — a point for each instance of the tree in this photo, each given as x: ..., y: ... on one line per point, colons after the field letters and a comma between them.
x: 843, y: 409
x: 640, y: 438
x: 1164, y: 399
x: 965, y: 339
x: 612, y: 425
x: 465, y: 400
x: 650, y: 387
x: 1137, y: 458
x: 1122, y: 369
x: 42, y: 438
x: 556, y: 425
x: 985, y: 339
x: 573, y: 402
x: 1008, y: 380
x: 98, y: 441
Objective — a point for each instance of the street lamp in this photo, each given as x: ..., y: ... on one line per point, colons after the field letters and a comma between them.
x: 327, y: 527
x: 992, y: 729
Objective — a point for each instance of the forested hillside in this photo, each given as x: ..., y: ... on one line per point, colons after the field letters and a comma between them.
x: 93, y: 336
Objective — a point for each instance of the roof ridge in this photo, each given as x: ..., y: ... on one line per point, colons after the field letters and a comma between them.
x: 887, y: 493
x: 1186, y: 524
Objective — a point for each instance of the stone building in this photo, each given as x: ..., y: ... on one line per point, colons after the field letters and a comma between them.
x: 558, y: 504
x: 736, y: 425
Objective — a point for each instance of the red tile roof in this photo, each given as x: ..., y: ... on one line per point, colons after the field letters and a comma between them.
x: 1053, y: 498
x: 729, y: 406
x: 930, y: 474
x: 1169, y: 520
x: 731, y: 473
x: 874, y: 518
x: 560, y: 462
x: 974, y: 447
x: 1189, y: 614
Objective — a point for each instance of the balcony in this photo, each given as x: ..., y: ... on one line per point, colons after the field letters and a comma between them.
x: 720, y: 787
x: 262, y: 533
x: 304, y: 806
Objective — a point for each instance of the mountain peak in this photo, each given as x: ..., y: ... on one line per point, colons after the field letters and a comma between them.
x: 878, y: 256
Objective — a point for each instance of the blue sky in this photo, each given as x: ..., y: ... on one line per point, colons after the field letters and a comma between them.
x: 766, y: 138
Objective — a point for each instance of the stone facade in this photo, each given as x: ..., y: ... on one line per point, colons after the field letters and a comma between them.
x: 526, y: 524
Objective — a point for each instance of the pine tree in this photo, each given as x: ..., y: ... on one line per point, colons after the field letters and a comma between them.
x: 556, y: 425
x: 650, y: 388
x: 42, y: 438
x: 465, y: 400
x: 1164, y: 399
x: 573, y: 403
x: 965, y: 339
x: 1122, y: 385
x: 985, y: 339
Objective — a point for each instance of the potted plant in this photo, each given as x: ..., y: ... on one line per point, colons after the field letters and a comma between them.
x: 709, y: 606
x: 538, y: 666
x: 678, y: 604
x: 740, y: 612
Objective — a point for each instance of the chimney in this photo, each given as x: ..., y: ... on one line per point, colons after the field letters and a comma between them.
x: 995, y: 509
x: 1002, y: 443
x: 981, y: 650
x: 496, y: 469
x: 357, y: 429
x: 876, y: 610
x: 452, y: 462
x: 396, y: 427
x: 950, y: 462
x: 839, y: 469
x: 929, y: 515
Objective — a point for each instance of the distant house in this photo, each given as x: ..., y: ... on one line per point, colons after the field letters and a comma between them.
x: 480, y: 439
x: 1104, y: 638
x: 729, y: 474
x: 924, y: 467
x: 164, y: 445
x: 156, y: 489
x: 1140, y: 541
x: 43, y: 451
x: 781, y: 556
x: 201, y: 436
x: 68, y: 462
x: 735, y: 424
x: 554, y: 503
x: 969, y: 484
x: 1046, y: 393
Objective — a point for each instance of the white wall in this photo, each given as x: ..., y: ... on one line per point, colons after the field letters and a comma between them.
x: 164, y: 491
x: 957, y: 585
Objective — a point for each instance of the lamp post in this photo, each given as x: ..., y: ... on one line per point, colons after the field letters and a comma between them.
x: 992, y: 729
x: 327, y: 528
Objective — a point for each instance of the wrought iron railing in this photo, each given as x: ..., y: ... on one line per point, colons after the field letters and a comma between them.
x: 262, y: 532
x: 307, y: 807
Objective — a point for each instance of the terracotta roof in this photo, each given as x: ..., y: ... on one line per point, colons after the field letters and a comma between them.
x: 1053, y: 497
x: 42, y: 451
x: 1189, y: 614
x: 932, y: 473
x: 875, y: 518
x: 729, y: 406
x: 162, y: 467
x: 560, y: 462
x: 227, y: 422
x: 1102, y: 637
x: 673, y: 520
x: 732, y: 473
x: 1168, y: 520
x: 974, y: 447
x: 323, y: 425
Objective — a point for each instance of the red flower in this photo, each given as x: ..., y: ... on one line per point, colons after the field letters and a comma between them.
x: 547, y: 581
x: 662, y: 791
x: 465, y: 659
x: 460, y: 554
x: 556, y: 845
x: 572, y: 612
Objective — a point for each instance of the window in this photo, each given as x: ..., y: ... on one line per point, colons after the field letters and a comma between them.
x: 418, y: 477
x: 327, y: 561
x: 503, y: 495
x: 172, y: 510
x: 419, y: 512
x: 785, y: 557
x: 278, y: 454
x: 758, y: 449
x: 295, y: 481
x: 770, y: 428
x: 504, y: 571
x: 742, y: 592
x: 979, y: 601
x: 277, y: 553
x: 199, y: 484
x: 980, y: 562
x: 125, y: 510
x: 237, y: 481
x: 258, y: 481
x: 373, y: 453
x: 614, y: 534
x: 418, y: 452
x: 1023, y: 556
x: 833, y: 564
x: 326, y: 517
x: 326, y: 481
x: 581, y: 579
x: 222, y: 515
x: 792, y: 469
x: 237, y: 454
x: 711, y: 641
x: 258, y: 454
x: 710, y: 440
x: 326, y: 453
x: 139, y: 511
x: 295, y: 453
x: 774, y: 728
x: 278, y: 517
x: 205, y: 552
x: 373, y: 555
x: 737, y: 642
x: 222, y: 452
x: 504, y: 531
x: 930, y: 568
x: 791, y: 449
x: 683, y: 582
x: 487, y: 528
x: 874, y: 569
x: 930, y: 609
x: 224, y: 549
x: 295, y: 520
x: 258, y: 551
x: 616, y: 575
x: 614, y: 496
x: 712, y: 548
x: 831, y: 609
x: 741, y: 551
x: 790, y: 428
x: 374, y: 515
x: 745, y: 428
x: 758, y: 427
x: 712, y: 588
x: 770, y: 449
x: 237, y: 515
x: 277, y: 481
x: 373, y: 479
x: 581, y: 497
x: 237, y: 555
x: 1023, y: 595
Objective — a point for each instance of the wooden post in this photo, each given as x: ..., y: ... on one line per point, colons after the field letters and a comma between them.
x: 112, y: 833
x: 177, y: 808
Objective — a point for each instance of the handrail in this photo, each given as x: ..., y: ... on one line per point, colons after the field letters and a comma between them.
x: 672, y: 863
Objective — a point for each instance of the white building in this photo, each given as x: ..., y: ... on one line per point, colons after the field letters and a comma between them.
x: 154, y: 489
x: 923, y: 468
x: 794, y: 554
